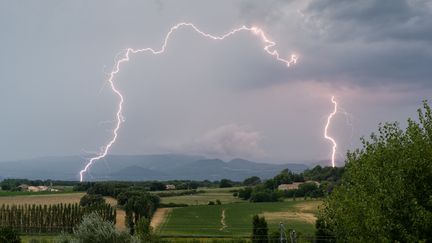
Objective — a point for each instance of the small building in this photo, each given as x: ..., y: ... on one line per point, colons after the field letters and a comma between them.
x: 23, y: 187
x: 285, y: 187
x: 37, y: 188
x: 170, y: 187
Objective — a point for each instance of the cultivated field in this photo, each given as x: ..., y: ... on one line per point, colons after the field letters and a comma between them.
x: 43, y: 199
x: 211, y: 194
x: 56, y: 198
x: 236, y: 219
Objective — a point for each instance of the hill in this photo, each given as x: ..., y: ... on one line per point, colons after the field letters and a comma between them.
x: 143, y: 167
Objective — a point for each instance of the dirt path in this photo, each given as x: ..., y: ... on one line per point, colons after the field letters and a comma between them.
x: 120, y: 219
x: 159, y: 217
x: 223, y: 220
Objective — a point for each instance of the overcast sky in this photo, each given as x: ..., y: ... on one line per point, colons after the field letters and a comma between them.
x: 222, y: 99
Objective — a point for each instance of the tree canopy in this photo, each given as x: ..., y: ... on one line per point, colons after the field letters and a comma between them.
x: 386, y: 190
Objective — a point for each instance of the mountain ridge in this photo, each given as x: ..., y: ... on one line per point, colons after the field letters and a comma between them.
x: 143, y: 167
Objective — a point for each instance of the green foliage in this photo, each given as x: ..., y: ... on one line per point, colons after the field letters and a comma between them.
x: 262, y: 194
x: 94, y: 229
x: 327, y: 173
x: 8, y: 235
x: 252, y: 181
x: 245, y: 193
x: 91, y: 200
x: 138, y: 205
x: 224, y: 183
x: 259, y: 230
x: 157, y: 186
x: 49, y: 218
x: 386, y: 189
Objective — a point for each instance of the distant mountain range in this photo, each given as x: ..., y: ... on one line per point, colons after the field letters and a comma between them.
x: 143, y: 167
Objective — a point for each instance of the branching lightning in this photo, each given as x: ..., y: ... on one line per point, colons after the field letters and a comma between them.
x: 268, y: 48
x: 326, y: 136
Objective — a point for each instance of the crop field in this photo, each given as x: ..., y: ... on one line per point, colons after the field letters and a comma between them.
x: 202, y: 198
x: 210, y: 194
x: 56, y: 198
x: 236, y: 219
x: 47, y: 198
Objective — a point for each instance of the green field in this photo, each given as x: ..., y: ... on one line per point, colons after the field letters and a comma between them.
x: 206, y: 220
x: 39, y: 238
x: 211, y: 194
x: 63, y: 189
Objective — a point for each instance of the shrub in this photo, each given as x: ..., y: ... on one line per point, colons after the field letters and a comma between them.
x: 92, y: 200
x: 259, y: 230
x: 94, y: 229
x: 8, y: 235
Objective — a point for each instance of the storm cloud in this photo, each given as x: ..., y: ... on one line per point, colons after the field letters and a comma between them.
x: 221, y: 99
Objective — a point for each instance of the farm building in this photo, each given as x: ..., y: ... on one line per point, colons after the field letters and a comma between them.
x: 170, y: 187
x: 284, y: 187
x: 295, y: 185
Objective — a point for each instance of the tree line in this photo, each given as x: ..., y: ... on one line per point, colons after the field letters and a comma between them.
x: 53, y: 218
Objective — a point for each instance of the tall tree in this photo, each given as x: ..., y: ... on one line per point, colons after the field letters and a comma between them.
x: 386, y: 190
x: 259, y: 230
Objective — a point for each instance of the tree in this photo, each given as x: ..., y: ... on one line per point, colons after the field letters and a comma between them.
x: 385, y: 191
x: 92, y: 200
x: 252, y: 181
x: 259, y: 230
x: 139, y: 206
x: 245, y: 193
x: 8, y: 235
x: 157, y: 186
x: 225, y: 183
x: 284, y: 177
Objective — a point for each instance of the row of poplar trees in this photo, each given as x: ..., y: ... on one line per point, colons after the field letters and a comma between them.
x: 50, y: 218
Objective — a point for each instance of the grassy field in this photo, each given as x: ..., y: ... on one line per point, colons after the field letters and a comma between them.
x: 39, y: 238
x: 207, y: 220
x: 211, y: 194
x: 63, y: 189
x: 46, y: 199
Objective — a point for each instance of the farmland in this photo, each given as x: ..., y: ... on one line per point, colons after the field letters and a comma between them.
x: 207, y: 220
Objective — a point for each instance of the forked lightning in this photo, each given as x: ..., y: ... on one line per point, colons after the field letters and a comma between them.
x: 268, y: 48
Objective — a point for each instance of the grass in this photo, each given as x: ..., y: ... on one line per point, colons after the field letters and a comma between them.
x: 18, y: 193
x: 206, y: 220
x: 42, y: 198
x: 39, y: 238
x: 210, y: 194
x: 202, y: 198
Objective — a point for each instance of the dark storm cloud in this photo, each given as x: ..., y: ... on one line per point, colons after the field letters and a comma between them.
x: 399, y: 20
x: 371, y: 42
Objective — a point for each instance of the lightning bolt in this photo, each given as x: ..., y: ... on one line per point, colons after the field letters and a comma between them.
x: 268, y: 48
x: 326, y: 136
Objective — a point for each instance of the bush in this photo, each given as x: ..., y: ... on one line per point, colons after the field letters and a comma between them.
x: 225, y: 183
x: 259, y: 230
x: 94, y: 229
x: 245, y: 193
x: 265, y: 196
x: 173, y: 205
x: 211, y: 203
x: 92, y: 200
x: 8, y: 235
